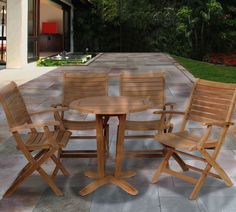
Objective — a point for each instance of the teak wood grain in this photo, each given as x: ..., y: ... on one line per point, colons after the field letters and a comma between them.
x: 149, y: 85
x: 45, y: 143
x: 77, y: 86
x: 212, y: 105
x: 110, y: 105
x: 104, y: 107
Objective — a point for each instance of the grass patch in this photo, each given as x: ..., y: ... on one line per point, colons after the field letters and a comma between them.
x: 207, y: 71
x: 49, y: 62
x: 63, y: 61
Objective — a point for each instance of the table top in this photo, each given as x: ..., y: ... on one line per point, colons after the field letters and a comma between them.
x: 109, y: 105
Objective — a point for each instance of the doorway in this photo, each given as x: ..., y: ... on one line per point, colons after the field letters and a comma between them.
x: 33, y: 29
x: 49, y: 28
x: 3, y: 38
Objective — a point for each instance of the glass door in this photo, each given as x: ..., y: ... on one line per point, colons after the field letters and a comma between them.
x: 66, y: 27
x: 33, y: 30
x: 3, y: 21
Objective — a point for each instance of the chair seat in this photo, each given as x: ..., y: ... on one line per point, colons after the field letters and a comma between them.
x: 79, y: 125
x: 35, y: 140
x: 183, y: 140
x: 144, y: 125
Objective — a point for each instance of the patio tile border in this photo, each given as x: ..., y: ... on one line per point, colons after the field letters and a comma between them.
x: 87, y: 63
x: 182, y: 69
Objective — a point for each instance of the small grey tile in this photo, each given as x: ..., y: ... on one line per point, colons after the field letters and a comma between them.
x: 49, y: 202
x: 209, y: 182
x: 172, y: 191
x: 222, y: 191
x: 217, y: 204
x: 177, y: 204
x: 108, y: 198
x: 145, y: 201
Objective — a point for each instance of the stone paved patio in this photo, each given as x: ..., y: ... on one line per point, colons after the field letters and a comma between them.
x: 170, y: 194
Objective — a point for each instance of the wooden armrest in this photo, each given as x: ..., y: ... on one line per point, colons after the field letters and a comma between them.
x: 59, y: 107
x: 219, y: 124
x: 170, y: 104
x: 50, y: 110
x: 40, y: 146
x: 169, y: 112
x: 35, y: 125
x: 56, y: 105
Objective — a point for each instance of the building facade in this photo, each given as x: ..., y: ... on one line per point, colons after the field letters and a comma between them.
x: 37, y: 28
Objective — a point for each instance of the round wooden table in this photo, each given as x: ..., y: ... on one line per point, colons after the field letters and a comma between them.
x: 106, y: 106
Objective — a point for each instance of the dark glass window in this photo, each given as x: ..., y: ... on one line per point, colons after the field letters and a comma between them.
x: 3, y: 24
x: 33, y: 28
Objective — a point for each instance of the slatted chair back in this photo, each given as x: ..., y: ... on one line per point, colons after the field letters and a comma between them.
x: 77, y: 85
x: 211, y: 101
x: 14, y: 105
x: 46, y: 143
x: 147, y: 85
x: 86, y: 84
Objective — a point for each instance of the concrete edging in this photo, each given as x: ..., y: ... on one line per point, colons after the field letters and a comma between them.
x: 87, y: 63
x: 96, y: 57
x: 183, y: 70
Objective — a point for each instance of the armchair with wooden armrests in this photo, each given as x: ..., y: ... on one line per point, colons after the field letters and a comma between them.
x: 211, y: 104
x: 39, y: 145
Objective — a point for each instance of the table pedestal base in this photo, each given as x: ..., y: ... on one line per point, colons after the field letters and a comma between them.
x: 105, y: 107
x: 106, y: 180
x: 94, y: 175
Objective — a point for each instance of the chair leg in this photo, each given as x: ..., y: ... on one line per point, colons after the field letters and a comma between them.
x: 59, y: 166
x: 23, y: 175
x: 163, y: 165
x: 59, y: 152
x: 36, y: 157
x: 211, y: 163
x: 217, y: 167
x: 200, y: 183
x: 106, y: 136
x: 170, y: 129
x: 164, y: 153
x: 55, y: 172
x: 27, y: 171
x: 223, y: 175
x: 20, y: 178
x: 180, y: 161
x: 106, y: 133
x: 50, y: 182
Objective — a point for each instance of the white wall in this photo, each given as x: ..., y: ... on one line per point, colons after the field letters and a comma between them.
x: 51, y: 12
x: 17, y: 33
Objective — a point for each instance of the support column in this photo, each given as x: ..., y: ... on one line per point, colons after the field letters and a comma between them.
x: 17, y: 33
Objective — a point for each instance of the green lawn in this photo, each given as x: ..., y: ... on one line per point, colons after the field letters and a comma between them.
x: 208, y: 71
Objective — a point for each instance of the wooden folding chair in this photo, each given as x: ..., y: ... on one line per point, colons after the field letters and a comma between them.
x: 38, y: 146
x: 149, y: 85
x: 76, y: 86
x: 211, y: 104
